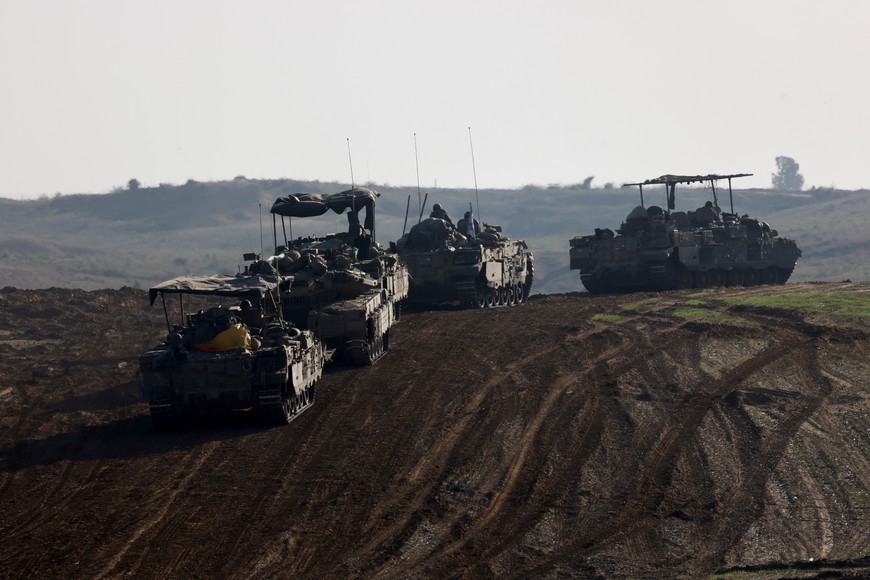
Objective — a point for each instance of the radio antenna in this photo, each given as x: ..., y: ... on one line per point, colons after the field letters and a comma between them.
x: 350, y: 160
x: 352, y: 182
x: 407, y: 209
x: 417, y: 163
x: 262, y: 245
x: 474, y: 170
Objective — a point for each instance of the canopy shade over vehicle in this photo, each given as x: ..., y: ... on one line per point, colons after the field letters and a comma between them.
x: 250, y: 287
x: 671, y: 181
x: 314, y: 204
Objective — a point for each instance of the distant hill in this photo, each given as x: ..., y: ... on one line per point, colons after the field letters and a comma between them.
x: 140, y: 237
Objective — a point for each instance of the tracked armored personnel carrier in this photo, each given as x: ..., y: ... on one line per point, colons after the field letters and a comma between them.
x: 664, y: 249
x: 481, y: 271
x: 229, y: 350
x: 341, y: 286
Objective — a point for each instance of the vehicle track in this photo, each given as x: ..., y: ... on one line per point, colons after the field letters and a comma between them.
x: 64, y: 490
x: 656, y: 469
x: 759, y: 466
x: 161, y: 521
x: 520, y: 471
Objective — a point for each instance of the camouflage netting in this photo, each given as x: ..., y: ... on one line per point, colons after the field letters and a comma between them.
x: 252, y: 287
x: 313, y: 204
x: 435, y: 234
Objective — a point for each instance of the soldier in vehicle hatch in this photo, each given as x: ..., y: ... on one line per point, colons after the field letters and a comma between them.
x: 438, y: 212
x: 362, y: 242
x: 463, y: 226
x: 706, y: 215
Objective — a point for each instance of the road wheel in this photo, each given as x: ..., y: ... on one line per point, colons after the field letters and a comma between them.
x: 700, y: 280
x: 714, y: 278
x: 288, y: 404
x: 750, y: 277
x: 375, y: 349
x: 682, y: 277
x: 511, y: 295
x: 770, y: 276
x: 491, y: 297
x: 530, y: 277
x: 519, y: 294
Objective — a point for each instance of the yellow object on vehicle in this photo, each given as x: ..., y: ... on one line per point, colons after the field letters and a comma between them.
x: 236, y: 336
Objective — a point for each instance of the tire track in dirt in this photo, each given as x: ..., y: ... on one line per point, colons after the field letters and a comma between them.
x: 770, y: 447
x: 285, y: 553
x: 273, y: 472
x: 544, y: 431
x: 186, y: 472
x: 292, y: 449
x: 64, y: 490
x: 446, y: 451
x: 515, y: 524
x: 309, y: 504
x: 38, y: 513
x: 255, y: 483
x: 654, y: 471
x: 448, y: 454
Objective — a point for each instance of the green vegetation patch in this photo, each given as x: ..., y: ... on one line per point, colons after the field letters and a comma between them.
x: 838, y: 304
x: 648, y: 305
x: 695, y: 303
x: 607, y: 318
x: 711, y: 316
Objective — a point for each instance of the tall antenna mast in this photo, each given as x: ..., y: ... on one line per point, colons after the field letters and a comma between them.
x: 262, y: 244
x: 417, y: 163
x: 352, y: 182
x: 474, y: 170
x: 350, y: 160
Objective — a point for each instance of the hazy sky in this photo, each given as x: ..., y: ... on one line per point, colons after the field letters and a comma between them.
x: 95, y: 92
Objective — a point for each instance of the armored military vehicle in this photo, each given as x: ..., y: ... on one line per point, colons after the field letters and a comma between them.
x: 341, y: 286
x: 236, y: 352
x: 480, y: 269
x: 657, y: 248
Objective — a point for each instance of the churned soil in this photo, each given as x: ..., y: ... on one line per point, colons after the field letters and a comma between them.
x: 573, y: 436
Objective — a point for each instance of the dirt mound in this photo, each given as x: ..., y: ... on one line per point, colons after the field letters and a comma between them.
x: 638, y: 435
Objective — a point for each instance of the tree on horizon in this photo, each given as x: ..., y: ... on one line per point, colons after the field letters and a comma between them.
x: 787, y: 175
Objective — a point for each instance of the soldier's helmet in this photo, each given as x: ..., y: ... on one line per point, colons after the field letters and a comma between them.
x: 436, y: 207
